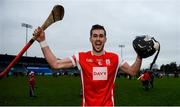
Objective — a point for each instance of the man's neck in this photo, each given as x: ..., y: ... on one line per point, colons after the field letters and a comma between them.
x: 98, y: 53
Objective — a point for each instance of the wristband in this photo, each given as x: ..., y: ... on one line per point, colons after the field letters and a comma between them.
x: 43, y: 44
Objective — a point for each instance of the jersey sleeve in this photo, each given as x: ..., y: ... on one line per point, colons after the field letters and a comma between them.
x: 74, y: 59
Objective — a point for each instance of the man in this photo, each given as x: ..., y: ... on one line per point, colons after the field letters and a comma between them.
x: 31, y: 80
x: 98, y: 67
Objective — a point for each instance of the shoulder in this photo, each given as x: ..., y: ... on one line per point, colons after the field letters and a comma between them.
x: 87, y: 52
x: 112, y: 54
x: 84, y: 53
x: 81, y: 55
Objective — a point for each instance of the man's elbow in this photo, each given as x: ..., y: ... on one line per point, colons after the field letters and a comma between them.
x: 53, y: 66
x: 134, y: 72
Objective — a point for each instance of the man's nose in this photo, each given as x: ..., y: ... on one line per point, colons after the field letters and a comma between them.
x: 98, y: 37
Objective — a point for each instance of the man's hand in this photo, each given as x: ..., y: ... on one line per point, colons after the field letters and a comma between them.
x: 39, y: 34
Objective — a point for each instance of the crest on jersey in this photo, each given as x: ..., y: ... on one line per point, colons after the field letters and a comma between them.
x: 108, y: 62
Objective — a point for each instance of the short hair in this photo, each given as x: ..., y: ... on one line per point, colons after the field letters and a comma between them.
x: 97, y: 26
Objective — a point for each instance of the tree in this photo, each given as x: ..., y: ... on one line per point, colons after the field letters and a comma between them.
x: 173, y: 66
x: 169, y: 68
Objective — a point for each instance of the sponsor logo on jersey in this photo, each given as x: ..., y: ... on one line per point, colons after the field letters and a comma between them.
x: 89, y: 60
x: 100, y: 73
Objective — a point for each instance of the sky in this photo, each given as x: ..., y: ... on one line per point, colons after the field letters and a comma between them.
x: 122, y: 19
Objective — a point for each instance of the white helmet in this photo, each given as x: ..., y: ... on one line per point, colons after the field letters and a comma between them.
x: 32, y: 72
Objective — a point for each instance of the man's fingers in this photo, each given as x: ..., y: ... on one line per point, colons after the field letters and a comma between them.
x: 37, y: 32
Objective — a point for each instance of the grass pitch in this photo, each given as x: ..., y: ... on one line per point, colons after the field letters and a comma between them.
x: 65, y: 90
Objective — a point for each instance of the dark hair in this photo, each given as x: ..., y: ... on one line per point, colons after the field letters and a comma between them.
x: 97, y: 27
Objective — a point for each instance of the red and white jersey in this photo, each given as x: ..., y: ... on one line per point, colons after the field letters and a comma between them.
x: 98, y: 75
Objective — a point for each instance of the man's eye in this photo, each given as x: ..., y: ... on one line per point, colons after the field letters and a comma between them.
x: 94, y: 35
x: 101, y: 36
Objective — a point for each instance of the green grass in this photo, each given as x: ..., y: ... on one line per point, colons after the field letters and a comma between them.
x: 65, y: 90
x: 166, y: 92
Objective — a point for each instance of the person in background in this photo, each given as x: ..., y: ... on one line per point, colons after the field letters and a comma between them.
x: 145, y: 78
x: 31, y: 81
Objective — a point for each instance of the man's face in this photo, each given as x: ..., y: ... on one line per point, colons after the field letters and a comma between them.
x: 98, y: 40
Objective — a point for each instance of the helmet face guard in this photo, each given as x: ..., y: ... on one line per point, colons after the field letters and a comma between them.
x: 145, y: 46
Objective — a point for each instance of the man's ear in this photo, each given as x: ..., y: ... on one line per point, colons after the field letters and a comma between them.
x: 90, y: 39
x: 105, y: 39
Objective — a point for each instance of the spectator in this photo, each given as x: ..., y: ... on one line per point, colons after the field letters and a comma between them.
x: 31, y: 80
x: 145, y: 80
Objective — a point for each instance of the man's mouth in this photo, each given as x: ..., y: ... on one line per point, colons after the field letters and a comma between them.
x: 98, y: 46
x: 98, y: 43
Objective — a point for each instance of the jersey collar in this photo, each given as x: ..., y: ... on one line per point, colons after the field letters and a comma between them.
x: 98, y: 55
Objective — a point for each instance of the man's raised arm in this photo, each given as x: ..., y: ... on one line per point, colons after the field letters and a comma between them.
x: 134, y: 68
x: 49, y: 56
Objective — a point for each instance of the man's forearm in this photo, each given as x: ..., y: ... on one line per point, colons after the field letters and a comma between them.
x: 49, y: 56
x: 136, y: 66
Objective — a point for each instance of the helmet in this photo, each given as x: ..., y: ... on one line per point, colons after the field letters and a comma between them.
x: 31, y: 73
x: 145, y: 46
